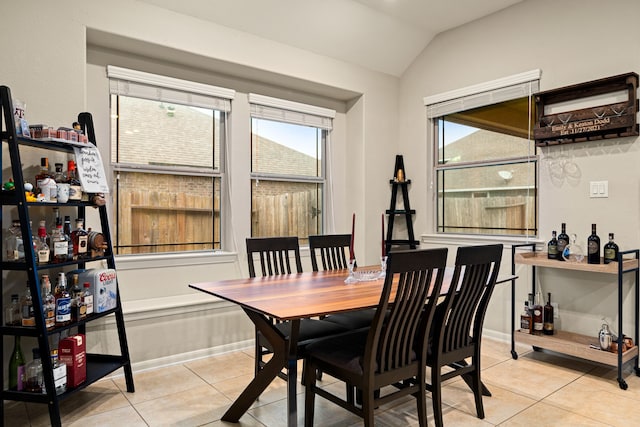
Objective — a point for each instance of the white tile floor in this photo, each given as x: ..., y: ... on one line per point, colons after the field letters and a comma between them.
x: 539, y: 388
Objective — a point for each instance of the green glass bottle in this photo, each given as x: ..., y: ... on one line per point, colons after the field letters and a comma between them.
x: 16, y: 366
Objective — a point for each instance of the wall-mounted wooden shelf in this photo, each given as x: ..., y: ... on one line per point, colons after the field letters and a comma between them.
x: 599, y: 121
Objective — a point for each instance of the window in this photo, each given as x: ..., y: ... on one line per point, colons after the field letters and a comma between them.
x: 485, y: 167
x: 288, y: 180
x: 167, y: 145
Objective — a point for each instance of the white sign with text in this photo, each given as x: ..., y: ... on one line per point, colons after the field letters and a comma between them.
x: 90, y: 170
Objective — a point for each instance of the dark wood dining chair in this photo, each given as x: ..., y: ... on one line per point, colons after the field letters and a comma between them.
x: 392, y: 351
x: 276, y: 255
x: 332, y: 250
x: 456, y: 331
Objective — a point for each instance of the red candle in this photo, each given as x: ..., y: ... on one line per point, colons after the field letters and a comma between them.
x: 383, y: 245
x: 352, y: 255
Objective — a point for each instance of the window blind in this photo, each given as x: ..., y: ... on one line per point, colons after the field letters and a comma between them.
x: 138, y: 84
x: 480, y: 95
x: 265, y: 107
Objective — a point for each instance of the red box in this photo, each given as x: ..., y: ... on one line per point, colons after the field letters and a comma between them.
x: 72, y: 352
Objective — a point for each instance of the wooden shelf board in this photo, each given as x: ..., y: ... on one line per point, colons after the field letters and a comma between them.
x: 540, y: 259
x: 575, y: 345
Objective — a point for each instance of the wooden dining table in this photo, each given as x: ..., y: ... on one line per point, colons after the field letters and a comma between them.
x: 292, y: 297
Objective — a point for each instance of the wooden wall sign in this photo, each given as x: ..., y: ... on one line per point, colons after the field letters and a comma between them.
x: 610, y: 120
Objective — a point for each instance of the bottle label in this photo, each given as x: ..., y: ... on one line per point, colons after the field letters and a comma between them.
x: 50, y: 319
x: 20, y: 377
x: 561, y: 245
x: 610, y: 254
x: 82, y: 244
x: 75, y: 192
x: 553, y: 250
x: 63, y: 310
x: 525, y: 324
x: 88, y: 302
x: 593, y: 248
x: 60, y: 248
x: 43, y: 256
x: 28, y: 318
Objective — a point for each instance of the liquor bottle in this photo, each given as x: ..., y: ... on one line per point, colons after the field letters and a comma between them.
x: 563, y: 241
x: 60, y: 245
x: 26, y: 309
x: 537, y: 316
x: 552, y: 246
x: 75, y: 187
x: 80, y: 239
x: 14, y: 246
x: 87, y: 298
x: 63, y: 301
x: 48, y: 303
x: 12, y: 313
x: 67, y: 233
x: 548, y: 317
x: 59, y: 373
x: 77, y: 310
x: 34, y: 378
x: 610, y: 250
x: 59, y: 175
x: 42, y: 248
x: 593, y: 247
x: 16, y: 366
x: 45, y: 172
x: 525, y: 319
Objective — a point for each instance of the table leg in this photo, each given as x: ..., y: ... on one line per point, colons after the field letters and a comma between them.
x: 284, y: 356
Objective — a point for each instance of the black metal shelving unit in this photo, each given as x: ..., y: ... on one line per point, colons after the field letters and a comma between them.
x: 98, y: 365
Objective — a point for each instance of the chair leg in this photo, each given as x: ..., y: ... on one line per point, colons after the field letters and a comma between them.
x: 436, y: 385
x: 421, y: 402
x: 309, y: 393
x: 367, y: 407
x: 477, y: 389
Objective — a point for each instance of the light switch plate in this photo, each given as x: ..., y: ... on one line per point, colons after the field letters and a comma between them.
x: 598, y: 189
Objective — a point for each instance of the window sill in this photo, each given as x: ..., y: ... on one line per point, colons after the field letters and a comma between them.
x: 135, y: 262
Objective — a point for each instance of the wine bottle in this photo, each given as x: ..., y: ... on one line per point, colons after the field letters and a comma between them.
x: 525, y: 319
x: 552, y: 246
x: 610, y: 250
x: 593, y: 247
x: 537, y: 316
x: 16, y: 366
x: 563, y: 241
x: 34, y: 379
x: 548, y: 317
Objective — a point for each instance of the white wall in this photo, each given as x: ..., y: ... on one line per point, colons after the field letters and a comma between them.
x: 571, y: 41
x: 50, y: 68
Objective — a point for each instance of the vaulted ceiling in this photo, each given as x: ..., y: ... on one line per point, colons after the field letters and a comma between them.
x: 380, y: 35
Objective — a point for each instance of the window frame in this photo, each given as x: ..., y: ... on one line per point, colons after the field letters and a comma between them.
x: 122, y: 81
x: 469, y: 98
x: 294, y: 113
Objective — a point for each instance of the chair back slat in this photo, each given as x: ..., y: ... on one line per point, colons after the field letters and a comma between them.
x: 466, y: 302
x: 331, y: 249
x: 402, y: 321
x: 275, y: 255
